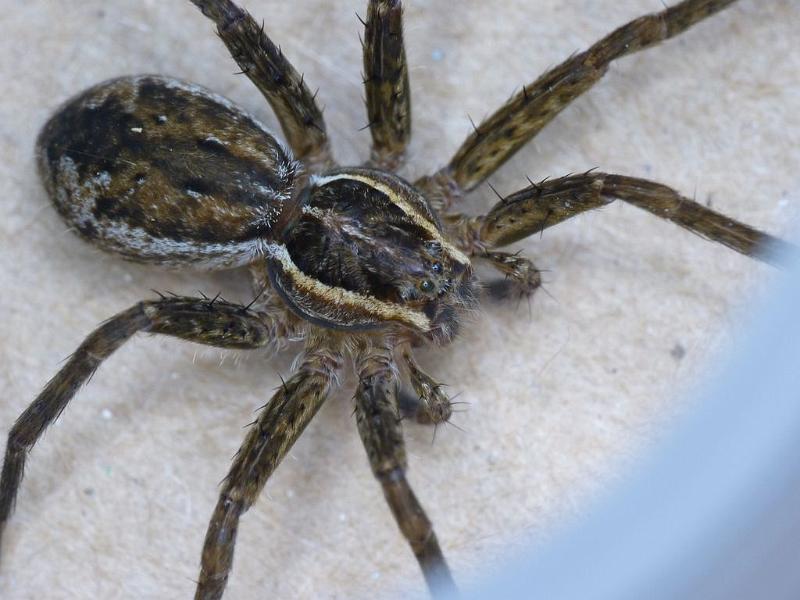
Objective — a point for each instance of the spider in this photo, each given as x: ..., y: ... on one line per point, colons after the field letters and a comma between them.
x: 358, y: 338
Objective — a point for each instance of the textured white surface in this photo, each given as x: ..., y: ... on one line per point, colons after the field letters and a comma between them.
x: 117, y: 495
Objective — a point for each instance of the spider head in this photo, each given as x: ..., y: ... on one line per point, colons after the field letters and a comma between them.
x: 363, y: 249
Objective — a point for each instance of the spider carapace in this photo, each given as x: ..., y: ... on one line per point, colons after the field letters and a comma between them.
x: 358, y: 263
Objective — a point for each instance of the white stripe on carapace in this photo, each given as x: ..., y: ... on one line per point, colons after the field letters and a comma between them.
x: 398, y: 201
x: 384, y: 311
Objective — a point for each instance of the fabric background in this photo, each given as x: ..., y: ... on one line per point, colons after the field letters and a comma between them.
x: 563, y: 393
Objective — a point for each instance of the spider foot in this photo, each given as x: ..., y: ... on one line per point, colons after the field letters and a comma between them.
x: 521, y: 280
x: 427, y: 404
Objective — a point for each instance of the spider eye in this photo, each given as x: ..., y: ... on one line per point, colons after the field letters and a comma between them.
x: 433, y: 246
x: 426, y: 286
x: 436, y: 267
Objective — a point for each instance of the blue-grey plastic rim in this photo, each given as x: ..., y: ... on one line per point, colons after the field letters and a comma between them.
x: 713, y: 512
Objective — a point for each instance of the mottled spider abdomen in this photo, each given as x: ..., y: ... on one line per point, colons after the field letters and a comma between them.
x: 163, y: 171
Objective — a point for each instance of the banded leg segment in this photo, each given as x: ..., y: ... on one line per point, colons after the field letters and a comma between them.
x: 215, y: 323
x: 378, y: 420
x: 386, y: 83
x: 277, y: 428
x: 497, y: 138
x: 545, y: 204
x: 283, y: 87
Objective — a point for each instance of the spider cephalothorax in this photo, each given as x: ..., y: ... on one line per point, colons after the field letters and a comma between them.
x: 364, y: 248
x: 354, y: 261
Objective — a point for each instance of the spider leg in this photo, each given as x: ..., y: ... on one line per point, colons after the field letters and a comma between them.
x: 378, y: 420
x: 386, y: 83
x: 278, y: 426
x: 283, y: 87
x: 521, y: 277
x: 430, y: 405
x: 542, y: 205
x: 216, y: 323
x: 497, y: 138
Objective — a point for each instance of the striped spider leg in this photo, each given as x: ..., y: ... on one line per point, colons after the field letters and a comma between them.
x: 359, y: 264
x: 212, y: 322
x: 539, y: 206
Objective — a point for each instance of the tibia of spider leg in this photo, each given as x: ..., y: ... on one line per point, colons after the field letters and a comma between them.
x: 431, y: 405
x: 526, y: 113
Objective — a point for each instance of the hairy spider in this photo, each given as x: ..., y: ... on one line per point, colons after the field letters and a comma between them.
x: 210, y: 142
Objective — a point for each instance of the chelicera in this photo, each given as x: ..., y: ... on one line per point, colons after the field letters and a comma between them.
x: 360, y: 264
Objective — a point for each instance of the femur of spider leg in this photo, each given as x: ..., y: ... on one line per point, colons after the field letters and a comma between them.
x: 386, y: 84
x: 526, y: 113
x: 278, y: 81
x: 379, y: 425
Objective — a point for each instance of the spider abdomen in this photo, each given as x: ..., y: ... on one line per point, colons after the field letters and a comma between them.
x: 163, y: 171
